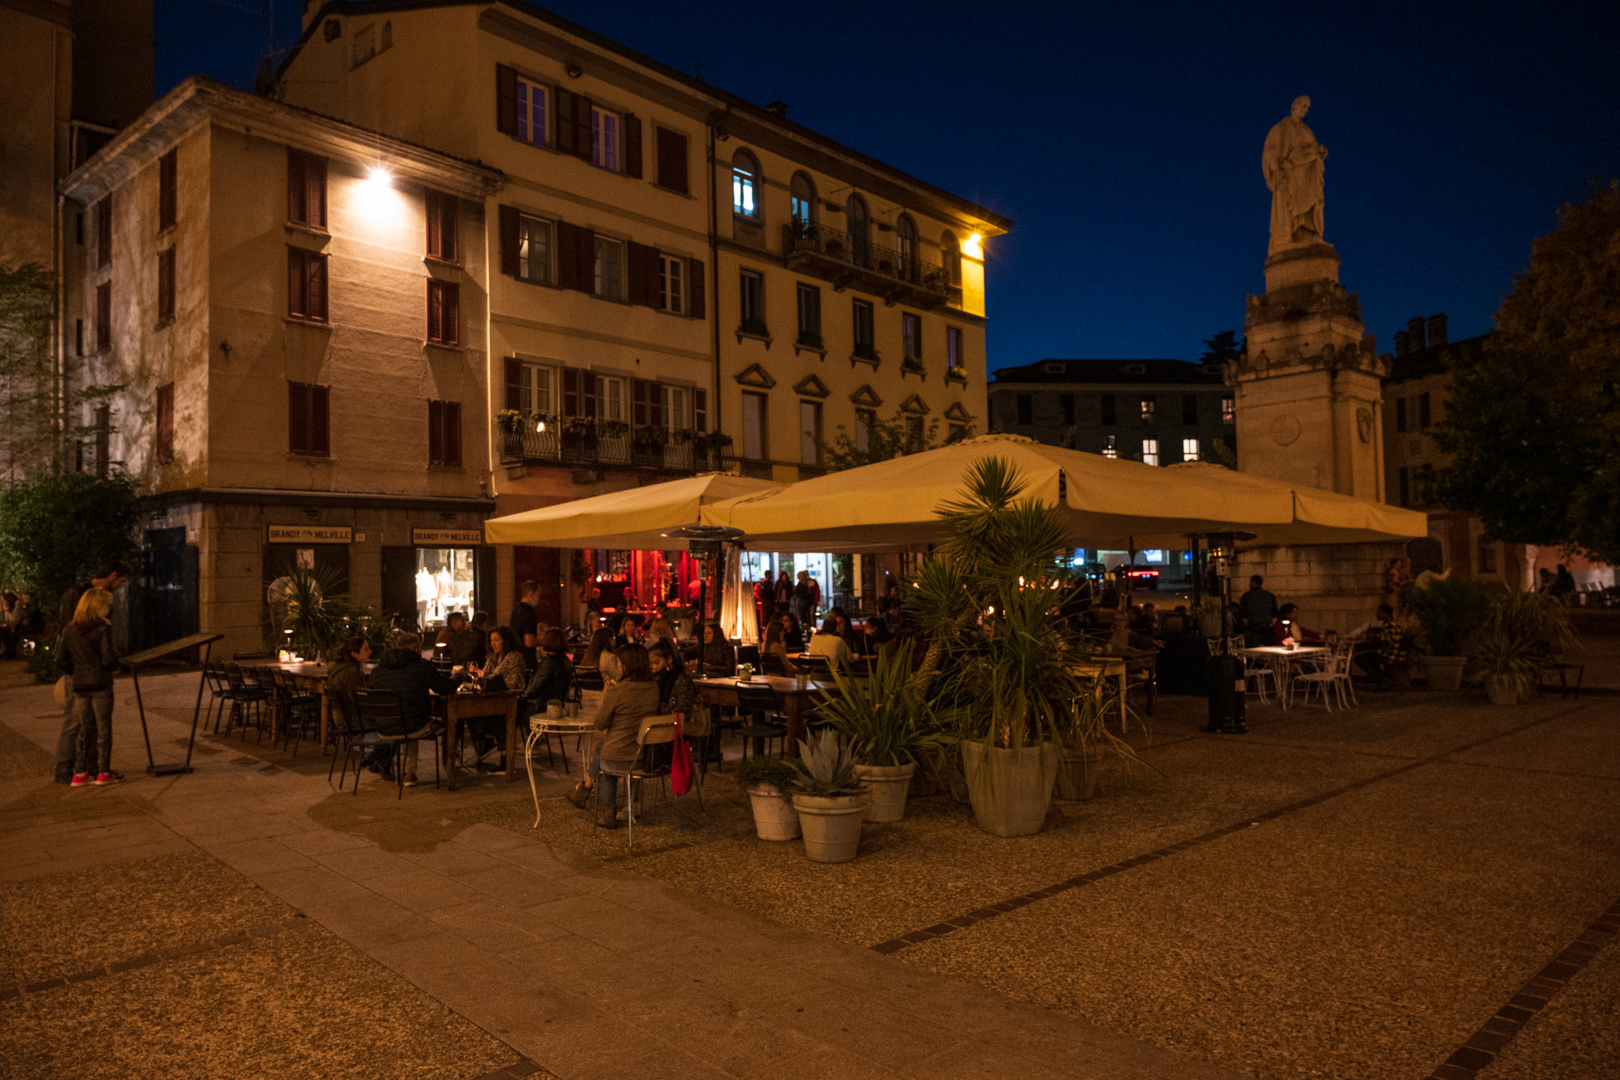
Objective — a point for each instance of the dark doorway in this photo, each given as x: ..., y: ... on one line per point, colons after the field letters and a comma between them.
x: 165, y: 606
x: 399, y: 584
x: 541, y: 565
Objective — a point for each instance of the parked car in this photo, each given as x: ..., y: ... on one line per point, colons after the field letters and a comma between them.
x: 1145, y: 576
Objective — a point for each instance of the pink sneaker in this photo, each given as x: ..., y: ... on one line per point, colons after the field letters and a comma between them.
x: 103, y: 779
x: 80, y: 779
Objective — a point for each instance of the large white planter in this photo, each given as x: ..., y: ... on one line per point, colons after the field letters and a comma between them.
x: 832, y: 827
x: 1011, y: 789
x: 887, y: 787
x: 774, y: 815
x: 1444, y: 672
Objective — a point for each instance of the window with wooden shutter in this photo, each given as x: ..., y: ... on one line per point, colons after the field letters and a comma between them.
x: 444, y: 433
x: 442, y: 211
x: 671, y: 162
x: 306, y: 189
x: 165, y: 286
x: 608, y: 270
x: 506, y: 106
x: 695, y: 284
x: 508, y: 228
x: 306, y: 284
x: 642, y: 262
x: 165, y: 423
x: 576, y: 257
x: 571, y: 395
x: 534, y: 250
x: 104, y: 210
x: 647, y: 403
x: 104, y: 316
x: 700, y: 410
x: 444, y: 312
x: 307, y: 419
x: 168, y: 177
x: 632, y: 145
x: 514, y: 384
x: 573, y: 113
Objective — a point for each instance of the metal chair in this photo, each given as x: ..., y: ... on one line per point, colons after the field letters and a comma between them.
x: 297, y: 709
x: 655, y: 731
x: 219, y: 691
x: 349, y: 735
x: 1333, y: 675
x: 759, y: 701
x: 380, y: 711
x: 244, y: 694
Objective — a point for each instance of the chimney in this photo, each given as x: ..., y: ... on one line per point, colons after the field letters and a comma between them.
x: 777, y: 107
x: 1437, y: 330
x: 1414, y: 334
x: 1400, y: 343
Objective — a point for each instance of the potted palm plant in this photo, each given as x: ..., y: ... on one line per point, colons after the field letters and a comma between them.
x: 886, y: 728
x: 769, y: 783
x: 830, y: 799
x: 1520, y: 631
x: 1448, y: 611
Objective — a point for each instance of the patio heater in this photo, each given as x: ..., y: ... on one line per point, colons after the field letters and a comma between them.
x: 1226, y: 679
x: 704, y: 543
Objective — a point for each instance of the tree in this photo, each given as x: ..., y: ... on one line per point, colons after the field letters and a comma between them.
x: 886, y: 439
x: 60, y: 526
x: 1531, y: 422
x: 27, y: 388
x: 1223, y: 348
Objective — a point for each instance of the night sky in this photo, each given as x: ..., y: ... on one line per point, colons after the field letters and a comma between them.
x: 1126, y: 144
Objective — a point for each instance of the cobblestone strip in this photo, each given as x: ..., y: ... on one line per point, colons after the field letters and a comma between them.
x: 1482, y: 1047
x: 962, y: 922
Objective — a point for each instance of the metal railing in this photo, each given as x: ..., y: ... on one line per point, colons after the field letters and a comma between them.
x: 592, y: 443
x: 860, y: 253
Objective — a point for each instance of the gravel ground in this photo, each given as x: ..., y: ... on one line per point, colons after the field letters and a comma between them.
x: 21, y: 758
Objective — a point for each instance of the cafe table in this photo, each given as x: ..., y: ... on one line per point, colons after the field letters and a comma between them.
x: 307, y: 674
x: 462, y: 706
x: 1282, y: 658
x: 794, y: 700
x: 1106, y: 667
x: 542, y: 726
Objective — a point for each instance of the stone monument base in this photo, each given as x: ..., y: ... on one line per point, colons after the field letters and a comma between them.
x: 1337, y: 586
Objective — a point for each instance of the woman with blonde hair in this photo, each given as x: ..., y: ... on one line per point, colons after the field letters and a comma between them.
x: 88, y: 655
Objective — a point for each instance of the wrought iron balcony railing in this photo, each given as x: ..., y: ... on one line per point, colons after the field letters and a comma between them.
x: 582, y: 443
x: 835, y: 253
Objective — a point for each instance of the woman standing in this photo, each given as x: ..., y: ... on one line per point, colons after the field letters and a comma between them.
x: 89, y: 656
x: 624, y: 705
x: 784, y: 591
x: 801, y: 598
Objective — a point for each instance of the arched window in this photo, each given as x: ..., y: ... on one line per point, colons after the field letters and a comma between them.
x: 746, y: 185
x: 860, y: 228
x: 804, y: 202
x: 951, y: 251
x: 905, y: 237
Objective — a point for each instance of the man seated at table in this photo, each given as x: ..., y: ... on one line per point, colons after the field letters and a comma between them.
x: 830, y: 643
x: 1380, y: 650
x: 875, y: 638
x: 1288, y: 630
x: 402, y: 670
x: 464, y: 644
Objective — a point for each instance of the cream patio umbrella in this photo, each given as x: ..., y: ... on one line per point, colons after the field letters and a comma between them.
x: 634, y: 519
x: 1106, y: 503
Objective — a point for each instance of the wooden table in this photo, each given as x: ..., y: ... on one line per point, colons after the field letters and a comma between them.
x: 459, y: 707
x: 306, y: 673
x: 794, y: 700
x: 1106, y: 667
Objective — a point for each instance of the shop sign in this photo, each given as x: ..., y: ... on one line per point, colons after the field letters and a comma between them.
x: 447, y: 537
x: 310, y: 534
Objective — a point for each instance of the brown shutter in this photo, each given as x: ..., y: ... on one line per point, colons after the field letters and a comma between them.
x: 452, y: 313
x: 591, y: 388
x: 167, y: 177
x: 442, y: 211
x: 449, y: 227
x: 700, y: 410
x: 165, y: 296
x: 298, y: 417
x: 297, y: 187
x: 510, y: 264
x: 670, y: 147
x: 567, y: 256
x: 315, y: 190
x: 639, y: 389
x: 585, y: 259
x: 563, y: 108
x: 319, y: 426
x: 570, y: 393
x: 435, y: 311
x: 165, y: 422
x: 582, y: 127
x: 104, y: 316
x: 430, y: 209
x: 514, y: 384
x: 295, y: 282
x: 435, y: 433
x: 317, y: 286
x: 694, y: 288
x: 641, y: 291
x: 104, y: 231
x: 452, y: 433
x: 505, y: 100
x: 632, y: 145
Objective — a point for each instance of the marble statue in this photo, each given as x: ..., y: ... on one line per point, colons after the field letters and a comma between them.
x: 1292, y: 163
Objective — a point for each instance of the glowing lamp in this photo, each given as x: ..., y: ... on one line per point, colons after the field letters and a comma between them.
x: 377, y: 174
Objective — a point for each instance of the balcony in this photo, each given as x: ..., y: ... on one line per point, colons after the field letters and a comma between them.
x: 604, y: 444
x: 848, y: 261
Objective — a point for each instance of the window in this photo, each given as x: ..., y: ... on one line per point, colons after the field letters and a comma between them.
x: 442, y: 211
x: 955, y: 364
x: 168, y: 179
x: 1400, y: 414
x: 443, y: 312
x: 104, y: 232
x: 905, y: 238
x: 1150, y: 451
x: 670, y: 146
x: 755, y: 436
x: 1109, y: 417
x: 1487, y: 556
x: 1189, y: 449
x: 1423, y: 409
x: 610, y: 405
x: 306, y: 189
x: 306, y: 284
x: 1111, y: 446
x: 1189, y: 408
x: 534, y: 249
x: 307, y: 428
x: 646, y: 404
x: 531, y: 388
x: 859, y: 222
x: 1150, y: 405
x: 1228, y: 411
x: 531, y: 112
x: 809, y: 315
x: 802, y: 194
x: 1066, y: 409
x: 810, y: 433
x: 865, y: 344
x: 165, y: 423
x: 751, y: 302
x: 677, y: 407
x: 609, y: 269
x: 672, y: 283
x: 444, y: 433
x: 104, y: 316
x: 78, y: 228
x: 914, y: 433
x: 165, y: 286
x: 605, y: 138
x: 103, y: 427
x: 745, y: 184
x: 1026, y: 409
x: 78, y: 337
x: 865, y: 420
x: 911, y: 336
x: 1405, y: 477
x: 950, y: 249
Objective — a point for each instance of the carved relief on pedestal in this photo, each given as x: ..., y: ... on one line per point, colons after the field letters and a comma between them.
x: 1285, y: 429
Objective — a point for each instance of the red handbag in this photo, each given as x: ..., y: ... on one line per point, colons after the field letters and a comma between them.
x: 680, y: 763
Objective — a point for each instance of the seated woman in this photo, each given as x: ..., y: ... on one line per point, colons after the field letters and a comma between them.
x: 1287, y: 630
x: 659, y: 630
x: 792, y: 636
x: 676, y: 695
x: 502, y: 670
x: 618, y: 718
x: 776, y: 645
x: 553, y: 674
x: 718, y: 655
x: 599, y: 655
x: 830, y: 643
x: 346, y: 675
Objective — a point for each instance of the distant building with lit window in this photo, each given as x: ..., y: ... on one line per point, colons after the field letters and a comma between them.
x: 1158, y: 411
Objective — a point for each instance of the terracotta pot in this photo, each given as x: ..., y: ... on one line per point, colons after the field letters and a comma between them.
x: 832, y: 827
x: 1011, y: 789
x: 774, y: 816
x: 1077, y: 775
x: 1503, y: 691
x: 887, y: 787
x: 1444, y: 672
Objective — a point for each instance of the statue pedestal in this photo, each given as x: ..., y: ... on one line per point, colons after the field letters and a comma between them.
x: 1300, y: 264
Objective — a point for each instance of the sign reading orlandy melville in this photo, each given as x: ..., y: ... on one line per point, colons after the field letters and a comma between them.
x: 310, y: 534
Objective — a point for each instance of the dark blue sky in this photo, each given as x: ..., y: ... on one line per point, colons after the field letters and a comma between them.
x: 1126, y: 143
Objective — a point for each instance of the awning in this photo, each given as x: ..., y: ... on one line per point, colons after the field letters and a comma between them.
x: 633, y: 519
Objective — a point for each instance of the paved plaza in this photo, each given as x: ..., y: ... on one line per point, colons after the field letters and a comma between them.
x: 1424, y: 880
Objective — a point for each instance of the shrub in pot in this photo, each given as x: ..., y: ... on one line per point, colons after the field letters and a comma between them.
x: 1520, y: 630
x: 830, y: 799
x: 1448, y: 613
x: 769, y: 783
x: 886, y: 726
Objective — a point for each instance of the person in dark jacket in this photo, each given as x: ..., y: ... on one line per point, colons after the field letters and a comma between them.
x: 88, y: 653
x: 346, y: 675
x: 553, y: 676
x: 464, y: 643
x: 412, y: 678
x: 111, y: 577
x: 1259, y: 609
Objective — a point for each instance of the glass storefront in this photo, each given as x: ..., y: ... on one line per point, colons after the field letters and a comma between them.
x: 444, y: 583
